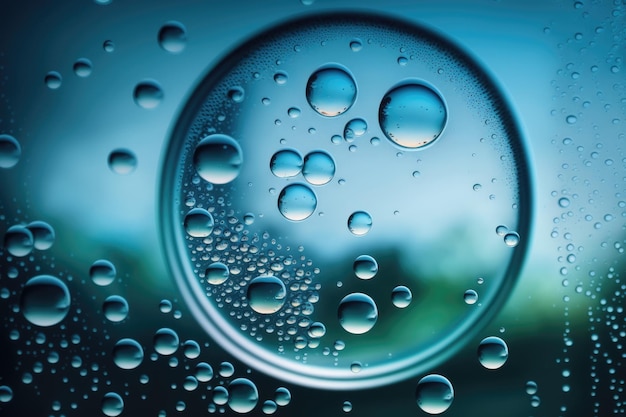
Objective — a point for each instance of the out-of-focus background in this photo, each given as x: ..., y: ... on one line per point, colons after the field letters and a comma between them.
x: 67, y: 75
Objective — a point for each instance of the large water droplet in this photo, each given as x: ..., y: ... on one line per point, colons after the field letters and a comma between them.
x: 412, y: 115
x: 165, y: 341
x: 148, y: 94
x: 173, y: 37
x: 492, y: 352
x: 218, y: 159
x: 19, y: 241
x: 286, y: 163
x: 331, y: 90
x: 401, y: 296
x: 359, y: 223
x: 122, y: 161
x: 357, y: 313
x: 266, y: 294
x: 112, y: 404
x: 10, y: 151
x: 82, y: 67
x: 102, y: 272
x: 297, y: 202
x: 319, y: 168
x: 365, y: 267
x: 198, y: 223
x: 217, y: 273
x: 45, y: 300
x: 243, y: 395
x: 43, y: 234
x: 127, y: 354
x: 53, y: 80
x: 115, y: 308
x: 434, y: 394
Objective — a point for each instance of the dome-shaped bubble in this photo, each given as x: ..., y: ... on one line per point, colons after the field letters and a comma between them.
x: 492, y: 352
x: 243, y: 395
x: 127, y: 354
x: 172, y: 37
x: 102, y: 272
x: 122, y: 161
x: 148, y: 94
x: 43, y: 234
x: 310, y: 97
x: 45, y: 300
x: 165, y: 341
x: 19, y: 241
x: 112, y: 404
x: 434, y: 394
x: 115, y: 308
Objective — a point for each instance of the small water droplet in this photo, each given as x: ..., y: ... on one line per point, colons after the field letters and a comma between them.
x: 511, y: 239
x: 204, y: 372
x: 564, y: 202
x: 226, y: 369
x: 218, y: 159
x: 236, y: 94
x: 19, y: 241
x: 112, y: 404
x: 6, y: 394
x: 102, y: 272
x: 319, y: 168
x: 346, y: 407
x: 470, y: 297
x: 108, y: 46
x: 220, y: 395
x: 148, y: 94
x: 191, y: 349
x: 355, y: 367
x: 82, y: 67
x: 43, y: 234
x: 165, y: 306
x: 535, y: 401
x: 354, y: 129
x: 359, y: 223
x: 115, y: 308
x: 531, y: 387
x: 356, y: 45
x: 412, y: 115
x: 243, y: 395
x: 365, y: 267
x: 45, y: 300
x: 282, y: 396
x: 401, y: 296
x: 357, y: 313
x: 172, y: 37
x: 266, y: 294
x: 198, y: 223
x: 165, y: 341
x: 53, y: 80
x: 331, y: 91
x: 434, y: 394
x: 571, y: 119
x: 217, y: 273
x: 281, y: 77
x: 316, y: 330
x: 10, y: 151
x: 122, y: 161
x: 127, y: 354
x: 286, y: 163
x: 297, y: 202
x: 492, y: 352
x: 293, y: 112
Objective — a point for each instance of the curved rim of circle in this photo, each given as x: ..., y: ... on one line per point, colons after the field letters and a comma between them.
x: 262, y: 359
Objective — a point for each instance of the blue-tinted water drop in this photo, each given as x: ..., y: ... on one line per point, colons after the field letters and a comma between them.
x: 45, y: 300
x: 266, y: 294
x: 10, y: 151
x: 218, y: 159
x: 331, y: 90
x: 357, y: 313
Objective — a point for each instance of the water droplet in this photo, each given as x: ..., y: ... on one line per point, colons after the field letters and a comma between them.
x: 173, y: 37
x: 293, y: 112
x: 266, y: 294
x: 217, y: 273
x: 402, y: 60
x: 165, y: 306
x: 357, y: 313
x: 108, y: 46
x: 226, y: 370
x: 82, y: 67
x: 198, y: 223
x: 365, y: 267
x: 122, y: 161
x: 331, y: 90
x: 531, y: 387
x: 236, y: 94
x: 346, y: 407
x: 319, y: 168
x: 204, y: 372
x: 165, y: 341
x: 19, y: 241
x: 45, y: 300
x: 401, y: 296
x: 243, y: 395
x: 434, y: 394
x: 148, y: 94
x: 269, y: 407
x: 354, y: 129
x: 220, y: 395
x: 535, y: 401
x: 6, y: 394
x: 281, y: 77
x: 282, y: 396
x: 102, y: 272
x: 286, y: 163
x: 470, y: 297
x: 112, y: 404
x: 127, y: 354
x: 492, y: 352
x: 317, y: 330
x: 297, y: 202
x: 359, y: 223
x: 191, y: 349
x: 412, y: 115
x: 564, y: 202
x: 53, y: 80
x: 43, y: 234
x: 115, y: 308
x: 190, y: 383
x: 10, y: 151
x: 218, y: 159
x: 356, y: 45
x: 571, y: 119
x: 511, y: 239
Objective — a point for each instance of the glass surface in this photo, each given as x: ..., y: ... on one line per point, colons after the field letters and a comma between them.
x: 312, y: 207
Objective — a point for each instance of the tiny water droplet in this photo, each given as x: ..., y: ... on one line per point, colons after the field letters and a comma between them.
x: 102, y: 272
x: 266, y: 294
x: 127, y: 354
x: 331, y: 91
x: 434, y: 394
x: 165, y: 341
x: 10, y: 151
x: 115, y: 308
x: 198, y: 223
x: 359, y: 223
x: 53, y: 80
x: 122, y: 161
x: 412, y: 115
x: 492, y: 352
x: 218, y: 159
x: 357, y: 313
x: 172, y: 37
x: 45, y: 300
x: 365, y: 267
x: 318, y: 168
x: 297, y: 202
